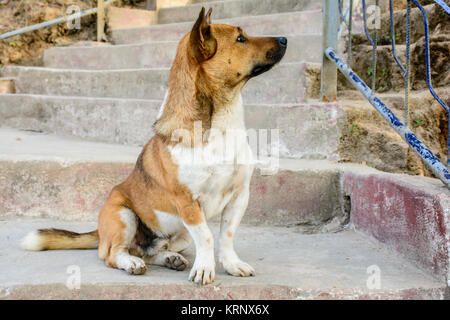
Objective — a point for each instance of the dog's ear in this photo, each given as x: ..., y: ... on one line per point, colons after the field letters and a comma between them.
x: 202, y: 43
x: 208, y: 16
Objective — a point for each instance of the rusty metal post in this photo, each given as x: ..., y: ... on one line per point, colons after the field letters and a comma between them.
x: 328, y: 81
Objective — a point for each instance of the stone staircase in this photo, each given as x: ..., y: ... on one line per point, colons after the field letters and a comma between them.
x: 314, y: 229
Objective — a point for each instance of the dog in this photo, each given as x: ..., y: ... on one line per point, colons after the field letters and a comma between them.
x: 165, y: 202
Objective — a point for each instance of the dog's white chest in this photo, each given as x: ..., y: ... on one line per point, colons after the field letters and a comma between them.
x: 214, y: 171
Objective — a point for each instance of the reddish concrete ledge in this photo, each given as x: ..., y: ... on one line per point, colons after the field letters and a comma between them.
x: 409, y: 214
x: 188, y: 291
x: 52, y: 189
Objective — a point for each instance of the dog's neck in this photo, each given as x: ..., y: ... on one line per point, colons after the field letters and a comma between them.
x: 194, y: 96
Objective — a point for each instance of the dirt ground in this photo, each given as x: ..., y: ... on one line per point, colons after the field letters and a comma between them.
x: 388, y: 74
x: 368, y: 139
x: 27, y: 49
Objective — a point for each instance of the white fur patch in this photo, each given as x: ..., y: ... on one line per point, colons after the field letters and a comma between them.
x: 169, y: 223
x: 129, y: 219
x: 32, y: 242
x: 208, y: 170
x: 203, y: 238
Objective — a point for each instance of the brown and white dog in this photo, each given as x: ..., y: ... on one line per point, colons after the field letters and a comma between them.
x: 165, y: 202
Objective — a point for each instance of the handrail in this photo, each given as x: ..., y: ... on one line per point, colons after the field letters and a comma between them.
x: 443, y: 5
x: 407, y: 135
x: 373, y: 42
x: 402, y: 129
x: 346, y: 20
x: 53, y: 22
x: 394, y: 54
x: 427, y: 56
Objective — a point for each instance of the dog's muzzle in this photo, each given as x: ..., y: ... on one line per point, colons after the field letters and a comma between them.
x: 273, y: 56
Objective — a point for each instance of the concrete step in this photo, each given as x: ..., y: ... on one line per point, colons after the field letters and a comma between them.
x: 236, y: 8
x: 306, y: 131
x: 408, y: 214
x: 283, y: 84
x: 290, y: 23
x: 288, y: 264
x: 157, y: 54
x: 69, y: 179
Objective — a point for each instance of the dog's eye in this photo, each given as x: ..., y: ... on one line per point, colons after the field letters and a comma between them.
x: 241, y: 38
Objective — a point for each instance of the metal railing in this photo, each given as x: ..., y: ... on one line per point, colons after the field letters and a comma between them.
x: 100, y: 10
x: 332, y: 62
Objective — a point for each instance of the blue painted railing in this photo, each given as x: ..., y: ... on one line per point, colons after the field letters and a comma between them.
x: 401, y: 128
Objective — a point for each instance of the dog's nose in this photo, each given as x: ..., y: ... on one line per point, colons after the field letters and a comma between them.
x: 282, y: 41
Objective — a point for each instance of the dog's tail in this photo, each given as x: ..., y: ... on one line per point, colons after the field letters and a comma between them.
x: 57, y: 239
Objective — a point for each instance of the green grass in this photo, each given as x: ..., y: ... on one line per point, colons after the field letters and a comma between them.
x: 13, y: 43
x: 355, y: 128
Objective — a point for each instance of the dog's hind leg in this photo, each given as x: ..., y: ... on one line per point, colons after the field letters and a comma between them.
x: 168, y: 259
x: 117, y: 227
x: 180, y: 241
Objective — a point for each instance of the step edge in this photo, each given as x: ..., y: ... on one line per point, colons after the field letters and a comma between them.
x: 190, y: 23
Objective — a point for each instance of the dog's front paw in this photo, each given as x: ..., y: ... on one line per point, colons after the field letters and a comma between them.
x: 202, y: 273
x: 237, y: 267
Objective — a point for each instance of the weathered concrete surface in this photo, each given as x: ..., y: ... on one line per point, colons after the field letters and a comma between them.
x: 407, y: 213
x: 123, y: 121
x: 282, y: 84
x: 68, y: 179
x: 236, y: 8
x: 288, y: 265
x: 306, y: 47
x: 291, y: 23
x: 306, y: 131
x: 36, y: 172
x: 145, y: 55
x: 129, y: 83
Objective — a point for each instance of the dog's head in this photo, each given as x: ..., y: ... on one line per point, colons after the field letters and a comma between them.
x: 229, y: 54
x: 212, y: 64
